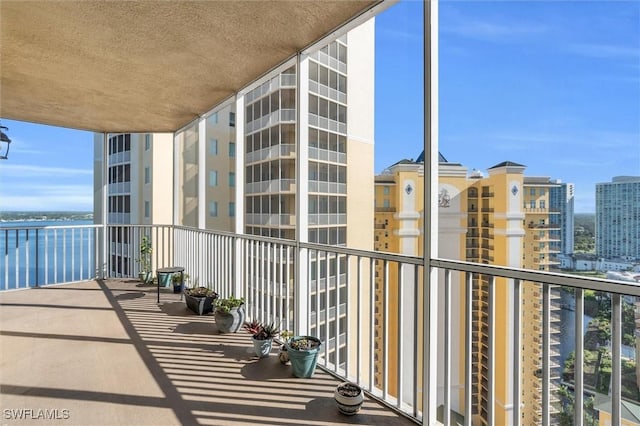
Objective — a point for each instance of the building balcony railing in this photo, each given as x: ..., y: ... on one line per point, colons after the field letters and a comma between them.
x: 271, y: 186
x: 269, y: 120
x: 327, y: 187
x: 386, y: 209
x: 327, y: 155
x: 282, y: 281
x: 267, y: 219
x: 271, y: 153
x: 543, y: 226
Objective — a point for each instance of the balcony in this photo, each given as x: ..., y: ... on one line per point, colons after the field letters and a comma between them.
x: 106, y: 352
x: 97, y: 333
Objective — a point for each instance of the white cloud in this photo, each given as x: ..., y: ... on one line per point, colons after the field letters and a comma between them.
x: 504, y: 30
x: 27, y: 170
x: 46, y: 202
x: 604, y: 50
x: 33, y: 196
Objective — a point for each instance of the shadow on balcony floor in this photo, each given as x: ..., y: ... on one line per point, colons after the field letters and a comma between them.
x: 117, y: 357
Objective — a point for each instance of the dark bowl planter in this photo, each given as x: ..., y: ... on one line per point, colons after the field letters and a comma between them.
x: 230, y: 322
x: 201, y: 305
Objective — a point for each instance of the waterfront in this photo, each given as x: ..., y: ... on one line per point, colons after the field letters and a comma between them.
x: 45, y: 252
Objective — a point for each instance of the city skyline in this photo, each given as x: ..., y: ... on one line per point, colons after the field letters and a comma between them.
x: 517, y: 81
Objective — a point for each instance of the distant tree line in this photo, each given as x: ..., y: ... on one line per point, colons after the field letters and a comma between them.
x: 584, y: 233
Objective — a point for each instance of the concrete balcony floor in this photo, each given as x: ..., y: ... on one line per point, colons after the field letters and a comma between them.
x: 105, y: 353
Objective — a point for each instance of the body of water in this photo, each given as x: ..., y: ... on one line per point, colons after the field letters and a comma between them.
x: 46, y: 252
x: 567, y: 329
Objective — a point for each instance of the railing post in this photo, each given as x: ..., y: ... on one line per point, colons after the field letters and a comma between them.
x: 430, y: 217
x: 579, y: 359
x: 546, y: 354
x: 616, y: 368
x: 38, y: 259
x: 102, y: 270
x: 301, y: 291
x: 302, y: 283
x: 517, y: 351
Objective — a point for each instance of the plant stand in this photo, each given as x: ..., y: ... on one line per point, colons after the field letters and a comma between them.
x: 172, y: 270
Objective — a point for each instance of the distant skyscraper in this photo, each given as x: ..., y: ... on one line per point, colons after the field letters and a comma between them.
x: 561, y: 200
x: 618, y: 218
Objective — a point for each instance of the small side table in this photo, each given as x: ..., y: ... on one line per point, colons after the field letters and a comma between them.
x: 171, y: 270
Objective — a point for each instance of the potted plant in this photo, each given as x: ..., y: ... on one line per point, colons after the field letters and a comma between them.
x: 229, y: 314
x: 263, y: 336
x: 303, y: 354
x: 145, y: 274
x: 178, y: 286
x: 200, y: 299
x: 284, y: 354
x: 349, y: 398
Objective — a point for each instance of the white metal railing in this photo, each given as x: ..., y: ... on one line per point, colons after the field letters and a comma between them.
x: 271, y: 186
x: 367, y: 308
x: 41, y: 255
x: 270, y: 153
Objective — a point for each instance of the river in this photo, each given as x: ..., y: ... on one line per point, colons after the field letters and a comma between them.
x: 567, y: 329
x: 55, y: 255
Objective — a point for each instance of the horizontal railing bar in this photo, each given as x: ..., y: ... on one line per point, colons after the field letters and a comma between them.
x: 30, y: 228
x: 544, y: 277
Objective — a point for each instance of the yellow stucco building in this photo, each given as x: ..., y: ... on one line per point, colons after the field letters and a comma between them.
x: 501, y: 219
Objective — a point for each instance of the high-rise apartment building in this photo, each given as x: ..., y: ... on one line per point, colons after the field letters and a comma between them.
x: 332, y: 202
x: 561, y: 200
x: 504, y: 219
x: 618, y: 218
x: 137, y: 189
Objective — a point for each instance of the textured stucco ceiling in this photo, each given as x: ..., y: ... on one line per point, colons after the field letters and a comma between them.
x: 121, y: 66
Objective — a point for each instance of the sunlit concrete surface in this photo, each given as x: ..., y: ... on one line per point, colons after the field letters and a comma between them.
x: 106, y: 353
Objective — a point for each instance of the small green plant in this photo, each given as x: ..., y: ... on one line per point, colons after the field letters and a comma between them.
x: 304, y: 344
x: 225, y: 305
x: 176, y: 278
x: 261, y: 331
x: 200, y: 292
x: 145, y: 255
x: 286, y: 335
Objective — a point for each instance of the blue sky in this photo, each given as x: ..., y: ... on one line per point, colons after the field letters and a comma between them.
x: 552, y: 85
